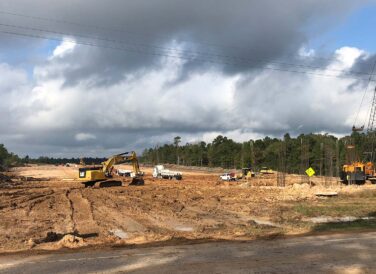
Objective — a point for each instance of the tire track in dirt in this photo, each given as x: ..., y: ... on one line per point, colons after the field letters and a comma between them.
x: 70, y: 223
x: 113, y: 215
x: 159, y: 212
x: 28, y: 199
x: 82, y: 214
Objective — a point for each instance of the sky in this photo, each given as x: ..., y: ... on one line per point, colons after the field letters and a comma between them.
x: 96, y: 78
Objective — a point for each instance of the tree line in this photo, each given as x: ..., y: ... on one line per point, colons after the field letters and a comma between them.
x: 323, y: 152
x: 8, y: 159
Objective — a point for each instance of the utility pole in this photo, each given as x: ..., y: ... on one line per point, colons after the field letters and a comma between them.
x: 301, y: 157
x: 321, y: 156
x: 337, y: 158
x: 177, y: 140
x: 242, y: 154
x: 252, y: 154
x: 156, y: 149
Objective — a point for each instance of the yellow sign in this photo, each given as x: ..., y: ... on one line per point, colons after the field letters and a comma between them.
x: 310, y: 172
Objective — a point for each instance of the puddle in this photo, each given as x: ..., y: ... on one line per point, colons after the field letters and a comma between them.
x: 265, y: 222
x: 324, y: 219
x: 183, y: 228
x: 119, y: 233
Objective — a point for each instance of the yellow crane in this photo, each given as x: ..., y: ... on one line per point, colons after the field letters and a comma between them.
x: 90, y: 175
x: 354, y: 170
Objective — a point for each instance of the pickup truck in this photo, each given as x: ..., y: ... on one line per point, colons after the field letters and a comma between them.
x: 228, y: 177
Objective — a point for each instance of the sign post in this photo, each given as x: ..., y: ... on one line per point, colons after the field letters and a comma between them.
x: 310, y: 172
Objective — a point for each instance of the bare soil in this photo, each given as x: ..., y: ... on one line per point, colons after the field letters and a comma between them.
x: 45, y: 207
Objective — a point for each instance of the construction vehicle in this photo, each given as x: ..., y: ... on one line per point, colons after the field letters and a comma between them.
x: 356, y: 171
x: 233, y: 176
x: 91, y: 174
x: 228, y: 177
x: 125, y: 173
x: 248, y: 173
x: 265, y: 170
x: 160, y: 172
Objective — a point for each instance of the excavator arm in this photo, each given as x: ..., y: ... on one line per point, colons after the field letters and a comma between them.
x: 125, y: 157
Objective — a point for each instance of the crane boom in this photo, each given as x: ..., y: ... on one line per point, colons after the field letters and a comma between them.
x: 372, y: 117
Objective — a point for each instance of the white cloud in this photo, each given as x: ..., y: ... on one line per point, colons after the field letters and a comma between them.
x: 84, y: 137
x: 304, y: 52
x: 66, y: 47
x: 346, y: 57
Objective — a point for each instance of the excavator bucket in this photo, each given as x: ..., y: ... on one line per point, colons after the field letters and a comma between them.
x: 137, y: 181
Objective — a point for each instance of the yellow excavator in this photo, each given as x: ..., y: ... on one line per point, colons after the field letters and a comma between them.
x: 90, y: 175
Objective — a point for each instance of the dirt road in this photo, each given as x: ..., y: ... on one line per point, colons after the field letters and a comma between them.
x: 347, y: 253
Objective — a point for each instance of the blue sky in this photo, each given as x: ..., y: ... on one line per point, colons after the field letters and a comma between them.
x: 357, y: 30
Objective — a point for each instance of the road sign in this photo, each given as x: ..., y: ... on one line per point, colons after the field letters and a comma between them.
x: 310, y: 172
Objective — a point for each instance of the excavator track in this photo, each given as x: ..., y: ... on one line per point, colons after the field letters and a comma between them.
x: 111, y: 183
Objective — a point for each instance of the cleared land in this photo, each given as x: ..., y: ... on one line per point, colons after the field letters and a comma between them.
x: 43, y: 207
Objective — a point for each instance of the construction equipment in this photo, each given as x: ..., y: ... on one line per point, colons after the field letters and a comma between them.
x: 356, y: 171
x: 228, y: 177
x: 125, y: 173
x: 104, y: 172
x: 248, y: 173
x: 159, y: 171
x: 265, y: 170
x: 233, y: 176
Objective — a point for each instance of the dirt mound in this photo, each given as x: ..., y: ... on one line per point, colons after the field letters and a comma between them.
x: 56, y: 240
x: 71, y: 241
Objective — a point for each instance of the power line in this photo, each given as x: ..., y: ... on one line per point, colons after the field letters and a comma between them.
x: 194, y: 54
x: 364, y: 95
x: 96, y: 27
x: 136, y: 49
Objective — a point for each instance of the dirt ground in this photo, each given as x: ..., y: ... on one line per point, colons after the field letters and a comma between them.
x: 44, y: 207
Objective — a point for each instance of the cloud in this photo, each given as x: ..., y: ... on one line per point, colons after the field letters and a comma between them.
x: 84, y: 100
x: 66, y: 47
x: 232, y: 37
x: 84, y: 137
x: 142, y: 111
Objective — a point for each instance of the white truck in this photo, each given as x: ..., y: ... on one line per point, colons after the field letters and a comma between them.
x: 127, y: 173
x: 124, y: 173
x: 159, y: 171
x: 228, y: 177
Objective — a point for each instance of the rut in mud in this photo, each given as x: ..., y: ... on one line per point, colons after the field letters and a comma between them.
x: 81, y: 214
x: 198, y: 207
